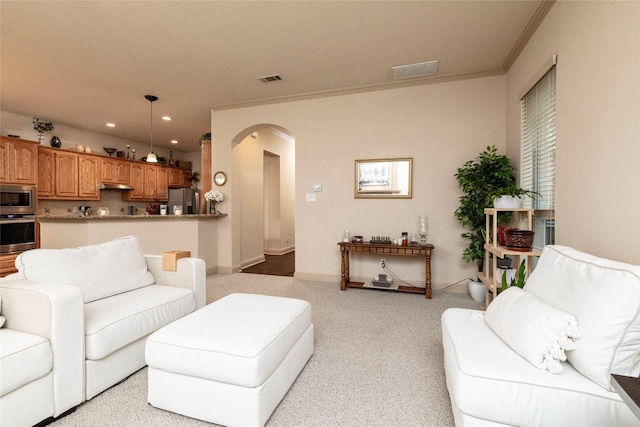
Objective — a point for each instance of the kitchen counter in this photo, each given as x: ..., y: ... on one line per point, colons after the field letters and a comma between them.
x: 197, y: 233
x: 80, y: 218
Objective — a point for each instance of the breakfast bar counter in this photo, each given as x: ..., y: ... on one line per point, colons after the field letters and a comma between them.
x: 145, y: 217
x: 156, y: 233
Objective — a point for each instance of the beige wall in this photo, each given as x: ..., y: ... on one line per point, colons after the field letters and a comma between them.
x: 598, y: 122
x: 440, y: 125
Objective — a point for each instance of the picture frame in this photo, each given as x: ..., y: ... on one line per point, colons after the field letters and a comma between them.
x: 388, y: 178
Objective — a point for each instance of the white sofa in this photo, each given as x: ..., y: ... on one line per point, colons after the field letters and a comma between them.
x: 123, y: 296
x: 489, y: 357
x: 41, y: 361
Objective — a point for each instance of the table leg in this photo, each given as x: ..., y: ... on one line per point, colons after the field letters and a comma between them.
x: 344, y: 268
x: 427, y: 285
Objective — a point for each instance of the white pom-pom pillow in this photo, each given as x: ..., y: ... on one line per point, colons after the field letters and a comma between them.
x: 534, y: 329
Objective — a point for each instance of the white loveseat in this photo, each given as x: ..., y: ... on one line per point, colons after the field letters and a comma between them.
x: 122, y: 295
x: 491, y: 384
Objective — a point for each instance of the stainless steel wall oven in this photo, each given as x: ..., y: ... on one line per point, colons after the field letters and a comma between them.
x: 17, y: 218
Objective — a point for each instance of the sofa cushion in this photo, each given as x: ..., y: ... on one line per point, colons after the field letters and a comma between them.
x: 23, y: 358
x: 488, y: 381
x: 534, y: 329
x: 112, y: 323
x: 605, y: 298
x: 98, y: 270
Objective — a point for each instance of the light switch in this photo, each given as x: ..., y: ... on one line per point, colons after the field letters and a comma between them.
x: 317, y: 187
x: 311, y: 197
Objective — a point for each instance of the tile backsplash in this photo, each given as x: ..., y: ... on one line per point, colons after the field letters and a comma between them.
x: 110, y: 199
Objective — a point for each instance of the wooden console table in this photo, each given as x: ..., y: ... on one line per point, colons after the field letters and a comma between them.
x: 385, y: 249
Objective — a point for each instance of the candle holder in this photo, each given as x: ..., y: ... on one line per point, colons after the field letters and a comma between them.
x: 423, y: 228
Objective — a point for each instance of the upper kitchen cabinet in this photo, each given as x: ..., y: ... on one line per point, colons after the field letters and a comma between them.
x: 18, y: 161
x: 65, y: 175
x: 149, y: 182
x: 179, y: 178
x: 114, y: 171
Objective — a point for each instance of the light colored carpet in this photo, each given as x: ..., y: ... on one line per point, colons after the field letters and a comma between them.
x: 378, y: 361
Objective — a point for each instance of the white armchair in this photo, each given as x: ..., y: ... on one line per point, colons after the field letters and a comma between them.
x: 41, y: 351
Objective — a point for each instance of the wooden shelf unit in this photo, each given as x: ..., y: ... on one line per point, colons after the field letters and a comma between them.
x: 493, y: 283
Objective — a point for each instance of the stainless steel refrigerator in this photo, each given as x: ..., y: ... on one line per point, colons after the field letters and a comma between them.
x: 187, y: 198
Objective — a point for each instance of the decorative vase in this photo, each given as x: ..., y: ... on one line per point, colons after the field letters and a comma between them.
x: 55, y: 142
x: 41, y: 138
x: 213, y: 207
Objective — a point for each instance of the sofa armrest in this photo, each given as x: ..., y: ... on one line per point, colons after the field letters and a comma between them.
x: 190, y: 273
x: 55, y: 312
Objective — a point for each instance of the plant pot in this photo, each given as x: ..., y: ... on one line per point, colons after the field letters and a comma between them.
x: 476, y: 290
x: 501, y: 231
x: 506, y: 202
x: 503, y: 262
x: 518, y: 239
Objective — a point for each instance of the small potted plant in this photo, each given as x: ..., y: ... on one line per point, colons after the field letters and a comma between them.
x: 205, y: 137
x: 41, y: 127
x: 195, y: 179
x: 518, y: 279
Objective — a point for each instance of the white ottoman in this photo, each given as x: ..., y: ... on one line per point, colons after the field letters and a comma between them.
x: 232, y: 361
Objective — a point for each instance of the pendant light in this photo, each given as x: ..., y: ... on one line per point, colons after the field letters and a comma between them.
x: 151, y: 157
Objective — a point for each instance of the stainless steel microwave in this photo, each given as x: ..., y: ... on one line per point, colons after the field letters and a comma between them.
x: 17, y: 199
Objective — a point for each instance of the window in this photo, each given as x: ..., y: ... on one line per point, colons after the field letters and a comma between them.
x: 538, y: 149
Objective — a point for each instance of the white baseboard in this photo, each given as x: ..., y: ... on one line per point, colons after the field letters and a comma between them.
x: 280, y: 251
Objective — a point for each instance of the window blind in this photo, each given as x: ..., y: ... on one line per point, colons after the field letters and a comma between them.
x: 538, y: 142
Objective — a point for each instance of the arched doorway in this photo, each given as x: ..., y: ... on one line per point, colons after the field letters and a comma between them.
x: 264, y: 183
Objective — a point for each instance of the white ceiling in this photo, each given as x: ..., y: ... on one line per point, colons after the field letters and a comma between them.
x: 86, y: 63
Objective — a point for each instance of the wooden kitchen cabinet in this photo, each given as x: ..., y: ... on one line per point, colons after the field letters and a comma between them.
x: 136, y: 180
x: 179, y: 178
x: 66, y: 165
x: 114, y: 171
x: 18, y: 159
x: 65, y: 175
x: 149, y: 182
x: 162, y: 183
x: 46, y: 174
x: 88, y: 177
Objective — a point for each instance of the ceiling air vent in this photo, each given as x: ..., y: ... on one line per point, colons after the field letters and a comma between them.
x: 270, y: 78
x: 421, y: 69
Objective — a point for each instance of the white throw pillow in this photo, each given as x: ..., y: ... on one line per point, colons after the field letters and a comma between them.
x: 604, y: 296
x: 98, y: 270
x: 534, y: 329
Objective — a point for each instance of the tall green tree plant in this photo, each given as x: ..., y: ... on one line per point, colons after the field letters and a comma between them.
x: 487, y: 176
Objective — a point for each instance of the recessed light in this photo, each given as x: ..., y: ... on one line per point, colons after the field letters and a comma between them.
x: 111, y: 125
x: 174, y: 141
x: 166, y: 118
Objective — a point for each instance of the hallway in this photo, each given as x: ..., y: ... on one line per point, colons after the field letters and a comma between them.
x: 275, y: 265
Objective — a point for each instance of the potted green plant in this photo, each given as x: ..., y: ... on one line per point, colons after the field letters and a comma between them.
x: 482, y: 179
x: 205, y: 137
x: 518, y: 280
x: 41, y: 127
